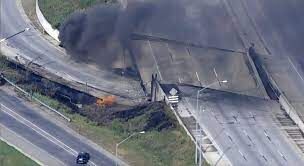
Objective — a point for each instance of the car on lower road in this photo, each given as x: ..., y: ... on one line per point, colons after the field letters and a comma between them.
x: 83, y: 158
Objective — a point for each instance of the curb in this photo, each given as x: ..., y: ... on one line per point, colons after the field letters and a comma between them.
x: 17, y: 148
x: 185, y: 127
x: 288, y: 108
x: 21, y: 151
x: 8, y: 133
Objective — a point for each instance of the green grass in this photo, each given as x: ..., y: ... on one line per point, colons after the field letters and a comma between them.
x: 154, y: 148
x: 9, y: 71
x: 56, y: 11
x: 170, y: 147
x: 9, y: 156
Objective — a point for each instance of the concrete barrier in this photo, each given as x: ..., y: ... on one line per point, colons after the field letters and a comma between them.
x: 291, y: 112
x: 287, y: 106
x: 54, y: 33
x: 282, y: 98
x: 161, y: 95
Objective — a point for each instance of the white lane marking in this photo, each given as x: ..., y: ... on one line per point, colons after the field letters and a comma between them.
x: 247, y: 136
x: 282, y: 155
x: 12, y: 112
x: 215, y: 73
x: 216, y: 76
x: 197, y: 77
x: 155, y: 60
x: 242, y: 155
x: 229, y: 137
x: 264, y: 157
x: 265, y: 133
x: 261, y: 154
x: 64, y: 146
x: 294, y: 67
x: 171, y: 53
x: 36, y: 160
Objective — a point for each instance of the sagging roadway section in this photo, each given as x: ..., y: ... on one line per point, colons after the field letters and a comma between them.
x: 254, y: 137
x: 246, y: 22
x: 53, y: 63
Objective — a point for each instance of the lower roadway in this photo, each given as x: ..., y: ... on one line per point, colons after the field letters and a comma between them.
x: 24, y: 120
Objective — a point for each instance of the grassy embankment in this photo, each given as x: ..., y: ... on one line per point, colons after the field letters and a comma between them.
x: 9, y: 156
x: 56, y: 11
x: 163, y: 143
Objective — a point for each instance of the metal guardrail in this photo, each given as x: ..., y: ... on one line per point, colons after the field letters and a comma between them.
x: 34, y: 98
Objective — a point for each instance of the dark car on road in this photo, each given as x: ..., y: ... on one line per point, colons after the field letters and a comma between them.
x: 83, y: 158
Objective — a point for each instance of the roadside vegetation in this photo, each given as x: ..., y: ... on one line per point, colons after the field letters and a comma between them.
x: 164, y: 143
x: 56, y: 11
x: 9, y: 156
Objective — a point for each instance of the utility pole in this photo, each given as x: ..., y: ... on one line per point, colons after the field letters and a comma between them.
x: 4, y: 39
x: 117, y: 145
x: 197, y: 150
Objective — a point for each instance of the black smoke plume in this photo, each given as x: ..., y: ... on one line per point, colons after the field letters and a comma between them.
x: 102, y: 33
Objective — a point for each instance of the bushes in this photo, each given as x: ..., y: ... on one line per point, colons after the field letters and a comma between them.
x: 164, y: 143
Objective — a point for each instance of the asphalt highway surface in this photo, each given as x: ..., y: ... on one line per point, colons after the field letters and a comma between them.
x: 274, y: 26
x: 26, y: 122
x: 216, y: 50
x: 244, y: 127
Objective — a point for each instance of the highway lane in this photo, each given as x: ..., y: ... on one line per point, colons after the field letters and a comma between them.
x: 196, y: 66
x: 33, y: 45
x: 37, y: 139
x: 274, y: 27
x: 25, y: 121
x: 244, y: 125
x: 207, y: 24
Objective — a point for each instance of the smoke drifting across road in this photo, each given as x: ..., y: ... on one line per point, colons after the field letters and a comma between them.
x: 102, y: 33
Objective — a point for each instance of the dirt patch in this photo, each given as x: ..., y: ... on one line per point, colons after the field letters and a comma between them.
x: 29, y: 7
x: 150, y: 117
x: 163, y: 144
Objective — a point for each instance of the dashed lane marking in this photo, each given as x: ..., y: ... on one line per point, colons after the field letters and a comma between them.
x: 294, y: 67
